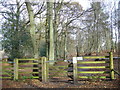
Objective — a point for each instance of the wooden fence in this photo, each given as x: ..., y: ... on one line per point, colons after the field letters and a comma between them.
x: 58, y: 71
x: 41, y: 69
x: 30, y: 68
x: 6, y: 70
x: 23, y: 68
x: 106, y: 66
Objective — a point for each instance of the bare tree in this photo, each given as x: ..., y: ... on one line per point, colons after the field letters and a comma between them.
x: 34, y: 36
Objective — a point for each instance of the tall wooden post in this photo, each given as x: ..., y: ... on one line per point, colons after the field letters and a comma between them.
x: 47, y: 70
x: 111, y: 66
x: 15, y: 69
x: 44, y: 70
x: 75, y: 76
x: 39, y: 66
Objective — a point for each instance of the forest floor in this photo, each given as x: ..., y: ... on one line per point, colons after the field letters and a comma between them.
x: 34, y: 83
x: 65, y: 83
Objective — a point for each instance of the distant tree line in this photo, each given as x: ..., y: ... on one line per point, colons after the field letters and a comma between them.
x: 57, y: 29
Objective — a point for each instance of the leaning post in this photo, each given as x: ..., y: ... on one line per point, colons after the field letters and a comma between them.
x: 75, y: 76
x: 111, y: 66
x: 15, y: 69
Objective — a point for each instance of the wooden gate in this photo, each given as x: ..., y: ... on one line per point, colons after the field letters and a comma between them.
x: 27, y: 69
x: 23, y: 69
x: 6, y: 69
x: 93, y: 69
x: 58, y: 71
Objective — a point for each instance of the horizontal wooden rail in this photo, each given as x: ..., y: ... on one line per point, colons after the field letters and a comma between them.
x: 6, y: 77
x: 3, y: 62
x: 28, y: 59
x: 64, y: 71
x: 35, y: 77
x: 57, y: 71
x: 23, y: 72
x: 36, y: 72
x: 62, y: 66
x: 7, y: 70
x: 27, y: 77
x: 28, y: 63
x: 92, y: 67
x: 58, y: 61
x: 92, y: 72
x: 28, y: 68
x: 91, y: 62
x: 88, y: 77
x: 5, y: 73
x: 7, y: 67
x: 94, y: 57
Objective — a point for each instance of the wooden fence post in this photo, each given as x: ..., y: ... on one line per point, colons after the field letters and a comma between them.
x: 75, y: 76
x: 44, y: 70
x: 15, y: 69
x: 47, y: 69
x: 42, y: 60
x: 111, y: 66
x: 39, y: 67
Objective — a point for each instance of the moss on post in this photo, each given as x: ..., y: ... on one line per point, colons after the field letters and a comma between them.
x: 15, y: 69
x: 44, y: 70
x: 111, y: 66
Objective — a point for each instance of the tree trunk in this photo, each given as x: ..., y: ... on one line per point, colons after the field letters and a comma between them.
x: 35, y: 42
x: 65, y: 45
x: 51, y: 30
